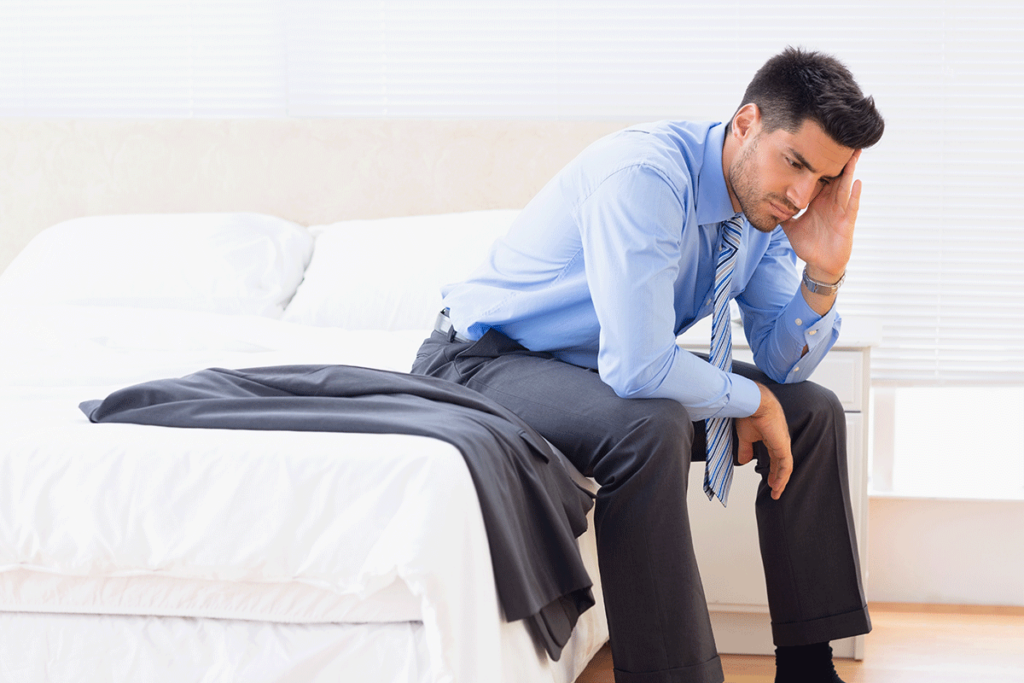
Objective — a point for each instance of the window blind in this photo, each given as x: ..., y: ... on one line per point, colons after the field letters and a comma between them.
x: 129, y: 59
x: 939, y: 255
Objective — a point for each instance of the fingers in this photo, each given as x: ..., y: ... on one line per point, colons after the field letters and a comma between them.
x: 780, y: 470
x: 851, y: 164
x: 853, y: 206
x: 745, y: 452
x: 768, y: 425
x: 779, y: 453
x: 846, y: 180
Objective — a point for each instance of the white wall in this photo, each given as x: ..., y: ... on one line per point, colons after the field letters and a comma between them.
x: 946, y: 551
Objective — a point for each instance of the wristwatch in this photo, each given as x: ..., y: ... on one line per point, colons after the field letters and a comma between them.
x: 822, y: 288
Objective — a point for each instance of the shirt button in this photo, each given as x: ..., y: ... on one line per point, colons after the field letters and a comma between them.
x: 799, y: 322
x: 812, y: 332
x: 796, y: 369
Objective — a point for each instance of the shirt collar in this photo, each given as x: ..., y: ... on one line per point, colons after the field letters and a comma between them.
x: 713, y: 203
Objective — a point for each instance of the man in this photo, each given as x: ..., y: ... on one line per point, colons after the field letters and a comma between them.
x: 572, y: 321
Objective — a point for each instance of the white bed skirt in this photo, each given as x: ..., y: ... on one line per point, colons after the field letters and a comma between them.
x: 97, y: 648
x: 86, y: 648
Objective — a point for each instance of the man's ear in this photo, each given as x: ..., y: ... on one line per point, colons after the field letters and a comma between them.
x: 746, y: 122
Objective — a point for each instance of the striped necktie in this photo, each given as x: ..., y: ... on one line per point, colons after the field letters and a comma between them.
x: 718, y: 469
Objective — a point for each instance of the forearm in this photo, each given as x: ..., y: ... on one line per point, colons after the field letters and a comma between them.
x: 704, y: 390
x: 789, y: 345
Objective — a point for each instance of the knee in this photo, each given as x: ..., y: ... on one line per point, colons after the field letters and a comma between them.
x: 655, y: 438
x: 812, y: 405
x: 817, y: 426
x: 665, y: 431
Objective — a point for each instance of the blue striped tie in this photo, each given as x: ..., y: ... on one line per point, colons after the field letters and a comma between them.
x: 718, y: 469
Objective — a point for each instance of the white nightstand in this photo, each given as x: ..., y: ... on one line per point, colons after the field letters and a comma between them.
x: 732, y: 576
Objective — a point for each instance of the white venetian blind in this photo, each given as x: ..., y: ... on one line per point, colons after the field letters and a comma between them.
x: 528, y: 59
x: 128, y: 59
x: 939, y: 258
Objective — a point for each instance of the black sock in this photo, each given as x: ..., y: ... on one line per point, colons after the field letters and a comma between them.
x: 805, y: 664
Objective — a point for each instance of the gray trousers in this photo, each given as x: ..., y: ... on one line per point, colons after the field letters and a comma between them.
x: 639, y: 451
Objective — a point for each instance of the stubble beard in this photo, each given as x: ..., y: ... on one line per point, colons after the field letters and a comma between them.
x: 753, y: 203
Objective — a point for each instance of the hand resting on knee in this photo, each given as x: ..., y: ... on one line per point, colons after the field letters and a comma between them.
x: 768, y: 425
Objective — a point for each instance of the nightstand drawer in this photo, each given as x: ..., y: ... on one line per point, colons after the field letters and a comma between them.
x: 842, y: 372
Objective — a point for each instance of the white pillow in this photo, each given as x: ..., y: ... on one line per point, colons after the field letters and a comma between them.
x: 387, y: 273
x: 216, y: 262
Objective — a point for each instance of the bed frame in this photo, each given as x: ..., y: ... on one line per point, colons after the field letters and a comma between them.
x: 312, y: 171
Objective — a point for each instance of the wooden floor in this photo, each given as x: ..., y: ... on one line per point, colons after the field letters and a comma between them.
x: 908, y: 644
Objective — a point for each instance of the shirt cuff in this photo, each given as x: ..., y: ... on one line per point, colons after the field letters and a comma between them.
x: 804, y: 327
x: 745, y: 398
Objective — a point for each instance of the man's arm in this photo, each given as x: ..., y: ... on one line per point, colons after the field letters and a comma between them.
x: 630, y: 232
x: 823, y: 237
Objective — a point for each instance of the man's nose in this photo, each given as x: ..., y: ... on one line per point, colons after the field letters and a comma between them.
x: 801, y: 192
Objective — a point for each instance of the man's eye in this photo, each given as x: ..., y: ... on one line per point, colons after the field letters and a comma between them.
x: 825, y: 181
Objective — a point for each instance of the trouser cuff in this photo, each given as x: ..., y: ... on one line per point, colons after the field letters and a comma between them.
x: 708, y: 672
x: 823, y: 630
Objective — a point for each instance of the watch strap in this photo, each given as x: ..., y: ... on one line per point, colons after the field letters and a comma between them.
x: 822, y: 288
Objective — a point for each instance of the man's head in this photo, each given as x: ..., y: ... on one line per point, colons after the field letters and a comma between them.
x: 802, y: 118
x: 797, y: 85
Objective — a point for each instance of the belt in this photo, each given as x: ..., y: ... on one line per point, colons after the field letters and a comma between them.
x: 443, y: 324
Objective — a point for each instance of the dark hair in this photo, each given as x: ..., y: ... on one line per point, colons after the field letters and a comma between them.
x: 796, y: 85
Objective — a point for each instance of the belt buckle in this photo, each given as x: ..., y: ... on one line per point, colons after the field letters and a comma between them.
x: 443, y: 324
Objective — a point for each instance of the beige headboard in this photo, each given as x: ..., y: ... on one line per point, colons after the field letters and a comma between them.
x: 307, y: 170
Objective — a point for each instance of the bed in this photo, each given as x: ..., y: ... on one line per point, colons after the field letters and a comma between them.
x: 136, y: 552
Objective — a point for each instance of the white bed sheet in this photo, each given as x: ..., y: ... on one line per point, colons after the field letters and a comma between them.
x: 286, y: 527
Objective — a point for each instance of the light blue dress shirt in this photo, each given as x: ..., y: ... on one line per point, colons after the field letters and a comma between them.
x: 615, y: 257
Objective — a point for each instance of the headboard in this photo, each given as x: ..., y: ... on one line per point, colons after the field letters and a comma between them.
x: 306, y: 170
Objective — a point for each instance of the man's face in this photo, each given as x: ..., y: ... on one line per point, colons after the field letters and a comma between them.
x: 775, y: 175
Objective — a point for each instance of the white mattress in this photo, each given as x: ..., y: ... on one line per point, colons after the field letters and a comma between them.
x: 284, y: 527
